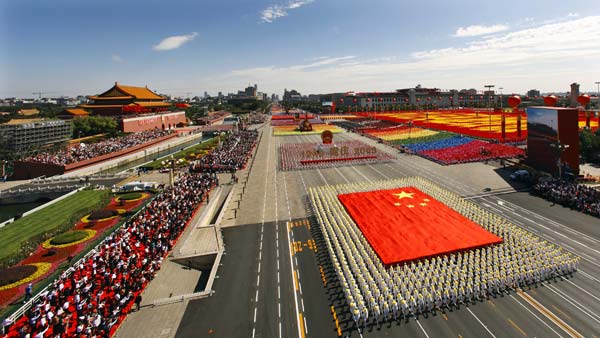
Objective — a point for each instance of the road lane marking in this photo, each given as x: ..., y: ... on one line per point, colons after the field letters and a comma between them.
x: 337, y: 324
x: 513, y: 324
x: 575, y: 303
x: 301, y: 325
x: 480, y: 322
x: 549, y: 314
x: 536, y: 316
x: 444, y: 316
x: 561, y: 312
x: 296, y: 280
x: 422, y: 329
x: 582, y: 289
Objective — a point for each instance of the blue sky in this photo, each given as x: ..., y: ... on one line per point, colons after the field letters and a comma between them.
x: 71, y: 47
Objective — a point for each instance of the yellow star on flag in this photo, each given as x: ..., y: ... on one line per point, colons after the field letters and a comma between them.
x: 423, y: 204
x: 410, y: 206
x: 426, y: 199
x: 404, y: 194
x: 397, y: 204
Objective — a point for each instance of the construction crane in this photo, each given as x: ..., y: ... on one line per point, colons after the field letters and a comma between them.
x: 40, y: 94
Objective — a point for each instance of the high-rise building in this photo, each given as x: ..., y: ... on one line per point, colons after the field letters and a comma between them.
x: 574, y: 94
x: 533, y: 93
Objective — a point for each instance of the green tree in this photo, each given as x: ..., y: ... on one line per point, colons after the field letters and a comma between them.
x: 94, y: 125
x: 589, y: 144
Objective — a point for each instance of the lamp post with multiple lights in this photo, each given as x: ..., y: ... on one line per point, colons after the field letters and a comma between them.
x: 171, y: 164
x: 598, y: 94
x: 489, y: 88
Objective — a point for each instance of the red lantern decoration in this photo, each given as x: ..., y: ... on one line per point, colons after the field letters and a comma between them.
x: 418, y: 100
x: 428, y: 98
x: 481, y: 97
x: 550, y: 100
x: 471, y: 97
x: 380, y: 99
x: 393, y: 99
x: 460, y: 98
x: 583, y: 99
x: 341, y: 99
x: 368, y: 99
x: 354, y: 100
x: 514, y: 101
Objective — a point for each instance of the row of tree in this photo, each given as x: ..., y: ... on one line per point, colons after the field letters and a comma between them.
x: 590, y: 146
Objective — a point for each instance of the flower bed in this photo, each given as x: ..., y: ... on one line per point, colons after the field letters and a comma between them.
x: 293, y: 156
x: 56, y: 250
x: 473, y: 151
x: 481, y: 124
x: 69, y: 238
x: 24, y: 274
x: 14, y: 274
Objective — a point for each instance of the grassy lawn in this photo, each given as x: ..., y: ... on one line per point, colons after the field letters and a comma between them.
x: 187, y: 153
x: 27, y: 232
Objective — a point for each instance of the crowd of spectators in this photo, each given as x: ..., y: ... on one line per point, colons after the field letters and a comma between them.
x: 572, y: 195
x: 84, y: 151
x: 232, y: 154
x: 93, y: 297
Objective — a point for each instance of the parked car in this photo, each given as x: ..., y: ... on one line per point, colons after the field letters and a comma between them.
x: 520, y: 175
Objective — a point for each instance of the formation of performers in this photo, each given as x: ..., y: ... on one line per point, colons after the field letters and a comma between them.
x: 376, y: 293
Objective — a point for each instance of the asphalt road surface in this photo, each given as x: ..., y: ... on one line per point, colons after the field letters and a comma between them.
x: 276, y: 279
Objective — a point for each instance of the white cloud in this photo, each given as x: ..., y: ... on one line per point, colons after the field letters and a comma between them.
x: 277, y: 11
x: 116, y: 58
x: 530, y: 57
x: 572, y: 15
x: 477, y: 30
x: 174, y: 42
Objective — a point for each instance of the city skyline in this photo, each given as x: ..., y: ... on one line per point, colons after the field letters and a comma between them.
x: 70, y: 48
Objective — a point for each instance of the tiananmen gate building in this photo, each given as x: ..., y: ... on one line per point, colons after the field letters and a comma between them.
x: 136, y: 109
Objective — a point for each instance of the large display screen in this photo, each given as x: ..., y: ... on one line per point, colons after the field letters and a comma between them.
x: 542, y: 124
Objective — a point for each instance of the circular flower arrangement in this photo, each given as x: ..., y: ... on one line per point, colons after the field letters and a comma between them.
x: 77, y: 236
x: 133, y: 197
x: 100, y: 216
x: 40, y: 270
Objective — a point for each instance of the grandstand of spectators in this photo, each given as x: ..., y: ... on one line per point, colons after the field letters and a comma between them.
x: 231, y: 155
x: 575, y: 196
x: 84, y: 151
x: 93, y: 297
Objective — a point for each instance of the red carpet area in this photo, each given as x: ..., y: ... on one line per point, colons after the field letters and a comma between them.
x: 404, y: 224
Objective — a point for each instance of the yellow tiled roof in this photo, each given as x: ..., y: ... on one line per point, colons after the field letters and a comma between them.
x: 77, y: 112
x: 139, y: 92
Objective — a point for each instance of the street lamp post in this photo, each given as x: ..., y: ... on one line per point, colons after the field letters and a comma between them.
x: 489, y: 87
x: 598, y: 94
x: 171, y: 164
x: 501, y: 97
x: 559, y: 149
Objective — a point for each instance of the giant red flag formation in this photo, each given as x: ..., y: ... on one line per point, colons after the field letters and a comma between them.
x: 376, y: 292
x: 405, y: 224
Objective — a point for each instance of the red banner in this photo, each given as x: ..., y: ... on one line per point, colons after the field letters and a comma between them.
x: 404, y: 224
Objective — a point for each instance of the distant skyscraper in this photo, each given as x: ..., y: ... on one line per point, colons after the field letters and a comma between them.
x: 533, y: 93
x: 574, y: 94
x: 206, y: 95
